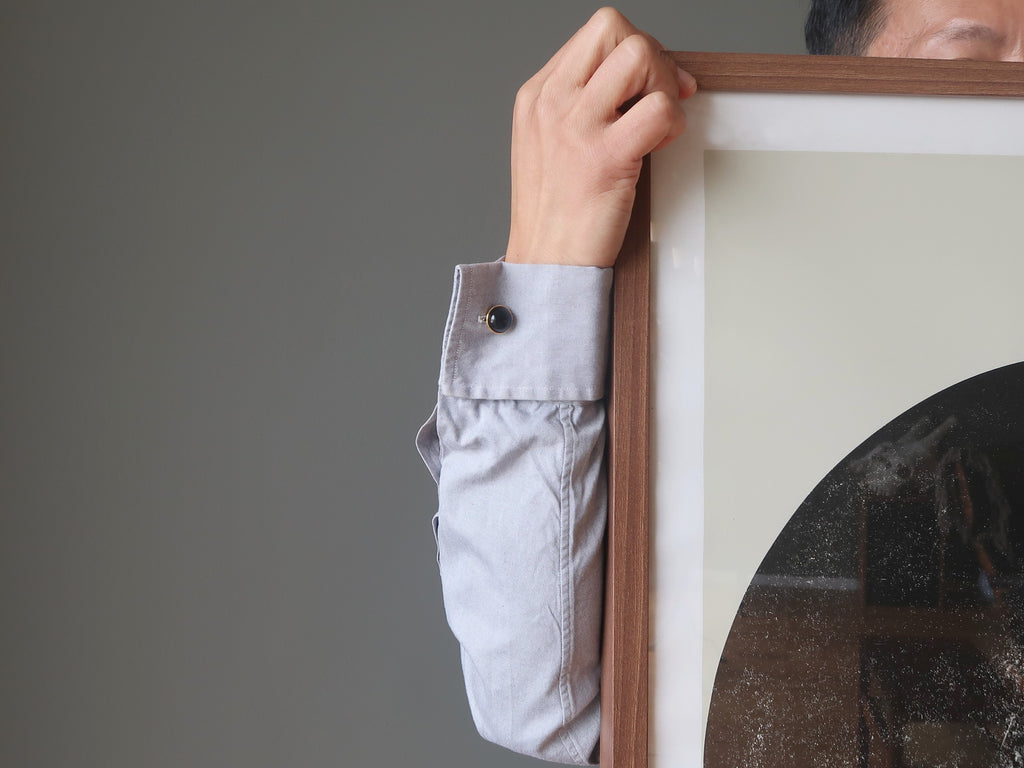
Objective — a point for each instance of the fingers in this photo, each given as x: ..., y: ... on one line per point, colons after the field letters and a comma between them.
x: 638, y: 75
x: 608, y: 63
x: 576, y: 61
x: 650, y: 124
x: 589, y: 47
x: 580, y: 129
x: 632, y: 70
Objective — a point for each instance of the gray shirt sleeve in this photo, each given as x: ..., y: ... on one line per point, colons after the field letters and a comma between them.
x: 516, y: 445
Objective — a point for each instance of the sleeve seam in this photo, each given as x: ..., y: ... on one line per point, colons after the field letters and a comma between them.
x: 566, y: 596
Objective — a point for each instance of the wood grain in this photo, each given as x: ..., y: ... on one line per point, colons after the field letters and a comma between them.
x: 624, y: 673
x: 847, y: 74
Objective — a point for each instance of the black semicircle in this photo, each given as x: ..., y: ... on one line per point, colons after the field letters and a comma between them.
x: 885, y: 626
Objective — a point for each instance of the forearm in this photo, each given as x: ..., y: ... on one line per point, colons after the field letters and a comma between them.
x: 517, y: 447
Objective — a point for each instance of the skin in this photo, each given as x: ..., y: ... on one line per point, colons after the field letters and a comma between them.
x: 582, y: 125
x: 986, y: 30
x: 576, y: 155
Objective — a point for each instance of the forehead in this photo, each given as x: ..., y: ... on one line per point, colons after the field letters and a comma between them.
x: 984, y: 29
x: 995, y: 10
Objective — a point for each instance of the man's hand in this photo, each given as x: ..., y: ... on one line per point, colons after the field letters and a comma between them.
x: 581, y: 128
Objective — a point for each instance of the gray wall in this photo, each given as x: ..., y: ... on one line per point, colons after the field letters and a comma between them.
x: 226, y: 240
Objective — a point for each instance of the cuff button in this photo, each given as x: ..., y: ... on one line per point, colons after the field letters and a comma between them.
x: 499, y: 318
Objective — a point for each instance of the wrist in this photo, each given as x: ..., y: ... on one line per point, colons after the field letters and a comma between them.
x: 570, y: 254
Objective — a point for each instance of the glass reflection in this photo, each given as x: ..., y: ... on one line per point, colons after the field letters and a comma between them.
x: 885, y: 627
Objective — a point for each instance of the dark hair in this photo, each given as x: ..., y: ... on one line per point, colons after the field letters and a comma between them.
x: 843, y: 27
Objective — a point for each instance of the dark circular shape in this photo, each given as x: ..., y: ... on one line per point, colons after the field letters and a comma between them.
x: 925, y: 518
x: 499, y: 318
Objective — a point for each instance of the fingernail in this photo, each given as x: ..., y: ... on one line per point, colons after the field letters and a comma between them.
x: 686, y: 80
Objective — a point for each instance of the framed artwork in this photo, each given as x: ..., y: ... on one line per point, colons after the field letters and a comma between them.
x: 816, y: 527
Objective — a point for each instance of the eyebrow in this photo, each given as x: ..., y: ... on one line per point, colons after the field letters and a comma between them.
x: 969, y: 32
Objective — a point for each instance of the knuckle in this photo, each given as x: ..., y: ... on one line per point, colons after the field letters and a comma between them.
x: 661, y: 103
x: 608, y: 19
x: 638, y: 48
x: 544, y: 100
x: 526, y: 94
x: 541, y: 105
x: 529, y: 97
x: 662, y: 108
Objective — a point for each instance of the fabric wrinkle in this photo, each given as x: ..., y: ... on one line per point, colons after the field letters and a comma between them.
x: 513, y: 443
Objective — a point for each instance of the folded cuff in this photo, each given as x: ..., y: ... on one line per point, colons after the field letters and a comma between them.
x: 556, y: 348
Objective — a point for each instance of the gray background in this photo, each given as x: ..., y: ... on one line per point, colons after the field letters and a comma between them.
x: 226, y: 240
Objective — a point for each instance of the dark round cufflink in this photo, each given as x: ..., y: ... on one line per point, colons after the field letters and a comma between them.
x: 499, y: 318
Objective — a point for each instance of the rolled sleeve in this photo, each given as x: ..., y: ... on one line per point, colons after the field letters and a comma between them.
x: 516, y: 445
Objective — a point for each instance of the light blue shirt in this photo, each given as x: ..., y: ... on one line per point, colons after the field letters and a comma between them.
x: 516, y: 445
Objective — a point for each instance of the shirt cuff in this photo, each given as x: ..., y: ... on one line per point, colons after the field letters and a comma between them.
x: 557, y: 347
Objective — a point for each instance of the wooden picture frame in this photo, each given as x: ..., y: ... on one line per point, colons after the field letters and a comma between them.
x: 625, y: 675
